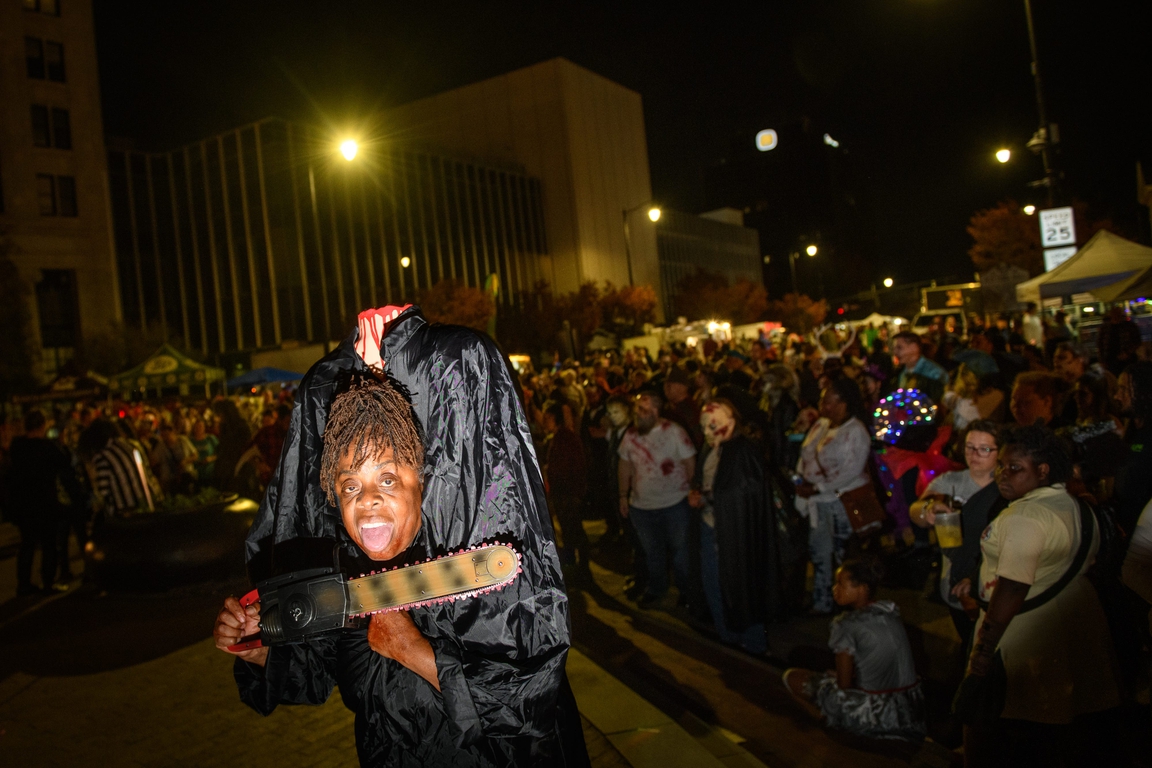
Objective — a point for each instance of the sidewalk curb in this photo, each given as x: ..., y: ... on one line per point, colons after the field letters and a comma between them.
x: 645, y: 736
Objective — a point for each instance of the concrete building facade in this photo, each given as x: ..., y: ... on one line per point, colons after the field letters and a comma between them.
x: 54, y: 214
x: 582, y: 136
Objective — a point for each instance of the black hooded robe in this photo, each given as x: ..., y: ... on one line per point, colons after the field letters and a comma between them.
x: 745, y: 533
x: 500, y: 657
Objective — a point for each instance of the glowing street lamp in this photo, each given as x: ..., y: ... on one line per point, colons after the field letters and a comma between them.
x: 405, y: 261
x: 810, y: 250
x: 349, y: 148
x: 654, y: 213
x: 888, y: 282
x: 1003, y: 155
x: 1029, y: 210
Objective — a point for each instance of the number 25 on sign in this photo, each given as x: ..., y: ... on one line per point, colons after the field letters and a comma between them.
x: 1057, y: 228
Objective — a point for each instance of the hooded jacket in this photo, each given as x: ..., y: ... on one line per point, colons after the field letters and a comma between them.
x: 500, y: 656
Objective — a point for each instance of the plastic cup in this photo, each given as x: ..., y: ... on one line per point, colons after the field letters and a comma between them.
x: 948, y: 531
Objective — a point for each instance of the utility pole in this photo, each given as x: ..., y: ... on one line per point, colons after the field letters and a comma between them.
x: 1042, y: 141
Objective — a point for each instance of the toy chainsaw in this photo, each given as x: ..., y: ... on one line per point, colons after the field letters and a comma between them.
x: 302, y: 604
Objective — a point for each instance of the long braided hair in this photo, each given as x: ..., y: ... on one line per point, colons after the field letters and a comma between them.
x: 368, y: 418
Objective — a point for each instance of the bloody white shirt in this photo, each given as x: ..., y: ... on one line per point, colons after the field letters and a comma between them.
x: 659, y: 479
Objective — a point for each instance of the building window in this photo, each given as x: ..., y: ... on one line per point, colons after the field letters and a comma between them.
x: 54, y: 61
x: 61, y: 129
x: 46, y: 194
x: 66, y: 191
x: 34, y: 56
x: 49, y: 7
x: 41, y: 135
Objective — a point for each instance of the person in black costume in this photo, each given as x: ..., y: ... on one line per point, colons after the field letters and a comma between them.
x: 737, y: 534
x: 499, y: 658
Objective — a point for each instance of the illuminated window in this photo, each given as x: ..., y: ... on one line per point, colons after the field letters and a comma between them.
x: 54, y: 61
x: 66, y: 191
x: 46, y: 194
x: 34, y: 56
x: 41, y: 135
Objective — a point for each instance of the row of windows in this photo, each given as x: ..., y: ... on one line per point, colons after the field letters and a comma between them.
x: 45, y: 59
x: 56, y: 195
x: 51, y: 127
x: 49, y: 7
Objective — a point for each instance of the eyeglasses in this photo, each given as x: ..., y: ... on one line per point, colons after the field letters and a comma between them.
x: 983, y: 450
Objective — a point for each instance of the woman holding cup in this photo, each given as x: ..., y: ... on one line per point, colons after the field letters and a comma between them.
x: 970, y: 495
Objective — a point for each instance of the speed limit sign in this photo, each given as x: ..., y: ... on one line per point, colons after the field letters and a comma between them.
x: 1057, y: 228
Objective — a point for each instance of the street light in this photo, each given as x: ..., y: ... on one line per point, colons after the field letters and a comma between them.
x: 405, y: 261
x: 349, y: 148
x: 654, y: 214
x: 1029, y: 210
x: 811, y: 251
x: 1003, y: 155
x: 888, y: 282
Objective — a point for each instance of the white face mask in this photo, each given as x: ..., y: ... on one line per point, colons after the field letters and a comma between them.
x: 618, y: 415
x: 718, y: 423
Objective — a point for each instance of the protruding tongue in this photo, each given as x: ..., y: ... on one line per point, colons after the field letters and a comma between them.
x: 376, y: 538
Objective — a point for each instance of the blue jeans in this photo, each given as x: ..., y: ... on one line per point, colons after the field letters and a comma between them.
x: 751, y: 639
x: 826, y: 543
x: 661, y: 531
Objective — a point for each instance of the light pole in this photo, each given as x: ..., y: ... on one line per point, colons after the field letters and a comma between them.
x: 654, y: 214
x: 1041, y: 141
x: 811, y: 250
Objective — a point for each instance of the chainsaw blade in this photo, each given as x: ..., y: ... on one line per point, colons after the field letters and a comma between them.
x: 452, y: 577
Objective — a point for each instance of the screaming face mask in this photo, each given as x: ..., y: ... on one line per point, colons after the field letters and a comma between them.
x: 717, y: 422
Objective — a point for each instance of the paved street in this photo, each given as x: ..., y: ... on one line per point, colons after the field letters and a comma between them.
x: 134, y: 681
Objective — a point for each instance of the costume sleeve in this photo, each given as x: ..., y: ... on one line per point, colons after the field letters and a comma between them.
x: 302, y: 673
x: 1023, y: 542
x: 841, y: 639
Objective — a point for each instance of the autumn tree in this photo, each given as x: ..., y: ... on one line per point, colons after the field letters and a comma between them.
x: 797, y: 312
x: 626, y: 309
x: 708, y: 294
x: 1005, y: 234
x: 453, y: 302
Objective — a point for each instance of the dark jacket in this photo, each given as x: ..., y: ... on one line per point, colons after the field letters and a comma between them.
x: 567, y: 472
x: 500, y: 657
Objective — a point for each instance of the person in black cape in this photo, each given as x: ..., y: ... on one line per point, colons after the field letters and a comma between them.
x: 503, y: 696
x: 739, y: 564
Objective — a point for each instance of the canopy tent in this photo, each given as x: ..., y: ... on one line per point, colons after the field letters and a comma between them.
x: 69, y: 387
x: 1108, y: 266
x: 167, y: 367
x: 258, y: 376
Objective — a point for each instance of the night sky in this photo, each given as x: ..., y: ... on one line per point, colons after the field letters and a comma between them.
x: 920, y: 93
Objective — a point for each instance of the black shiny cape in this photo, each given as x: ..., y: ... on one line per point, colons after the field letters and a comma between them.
x: 745, y: 532
x: 500, y: 657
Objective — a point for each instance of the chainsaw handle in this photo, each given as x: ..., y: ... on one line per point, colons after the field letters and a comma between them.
x: 251, y: 641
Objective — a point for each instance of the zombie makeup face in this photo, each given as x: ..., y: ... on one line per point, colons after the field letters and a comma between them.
x: 718, y: 423
x: 619, y: 414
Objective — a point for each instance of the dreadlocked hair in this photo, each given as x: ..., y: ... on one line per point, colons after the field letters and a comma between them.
x: 367, y: 419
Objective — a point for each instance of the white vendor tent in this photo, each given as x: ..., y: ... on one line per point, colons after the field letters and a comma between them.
x: 1108, y: 267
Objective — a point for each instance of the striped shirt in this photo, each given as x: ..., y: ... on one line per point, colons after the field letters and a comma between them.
x: 118, y: 477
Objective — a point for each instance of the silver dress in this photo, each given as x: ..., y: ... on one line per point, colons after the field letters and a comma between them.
x: 886, y: 701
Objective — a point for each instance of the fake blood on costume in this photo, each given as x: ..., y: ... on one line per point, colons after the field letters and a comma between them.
x: 504, y: 697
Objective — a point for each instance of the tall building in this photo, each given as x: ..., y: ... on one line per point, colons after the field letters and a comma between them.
x: 582, y: 136
x: 53, y: 185
x: 264, y: 234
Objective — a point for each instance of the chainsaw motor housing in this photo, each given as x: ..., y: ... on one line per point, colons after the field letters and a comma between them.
x: 297, y: 606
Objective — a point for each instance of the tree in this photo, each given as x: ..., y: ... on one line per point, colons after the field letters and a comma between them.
x: 1005, y: 234
x: 706, y: 295
x: 626, y: 309
x: 450, y: 301
x: 798, y: 312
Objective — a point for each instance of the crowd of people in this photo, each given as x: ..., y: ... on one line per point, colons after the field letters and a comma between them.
x: 64, y: 470
x: 772, y: 477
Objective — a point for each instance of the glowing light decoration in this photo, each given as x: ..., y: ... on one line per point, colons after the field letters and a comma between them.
x: 349, y: 148
x: 898, y: 411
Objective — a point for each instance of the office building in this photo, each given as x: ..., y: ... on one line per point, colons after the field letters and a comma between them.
x: 53, y: 185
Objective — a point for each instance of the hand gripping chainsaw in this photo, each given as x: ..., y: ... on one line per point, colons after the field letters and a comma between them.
x: 302, y: 604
